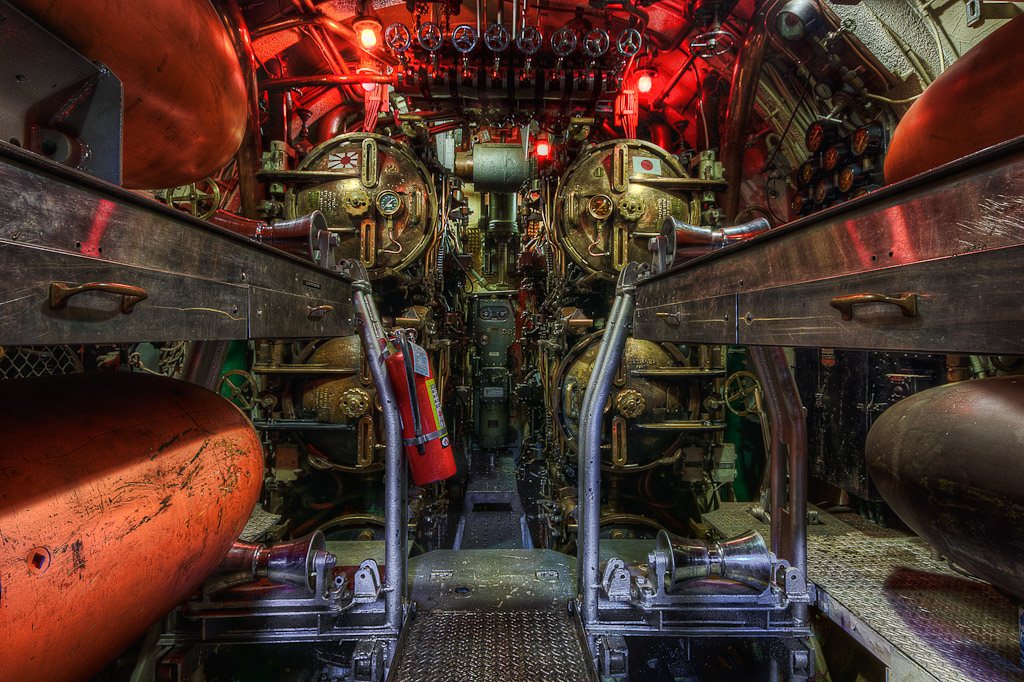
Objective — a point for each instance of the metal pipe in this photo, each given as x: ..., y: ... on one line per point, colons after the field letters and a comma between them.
x: 324, y: 80
x: 745, y: 79
x: 251, y: 150
x: 606, y: 364
x: 789, y: 430
x: 394, y: 465
x: 515, y: 19
x: 672, y: 83
x: 344, y: 32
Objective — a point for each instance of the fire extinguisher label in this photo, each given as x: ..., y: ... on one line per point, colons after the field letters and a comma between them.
x: 420, y: 362
x: 435, y: 404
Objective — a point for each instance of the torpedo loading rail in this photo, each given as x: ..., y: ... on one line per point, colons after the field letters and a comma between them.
x: 85, y: 261
x: 931, y: 264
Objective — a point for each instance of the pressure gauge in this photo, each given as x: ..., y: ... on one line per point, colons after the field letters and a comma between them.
x: 397, y: 37
x: 464, y: 38
x: 430, y: 37
x: 808, y: 171
x: 824, y: 191
x: 867, y: 139
x: 819, y: 134
x: 851, y: 176
x: 563, y: 42
x: 600, y: 206
x: 799, y: 204
x: 389, y: 203
x: 835, y: 155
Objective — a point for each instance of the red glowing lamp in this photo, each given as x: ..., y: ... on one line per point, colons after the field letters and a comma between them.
x: 543, y: 149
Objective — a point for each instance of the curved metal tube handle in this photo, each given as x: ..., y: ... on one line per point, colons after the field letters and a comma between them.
x: 318, y: 313
x: 60, y: 292
x: 844, y: 304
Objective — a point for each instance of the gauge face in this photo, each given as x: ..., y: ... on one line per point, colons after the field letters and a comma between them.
x: 821, y: 192
x: 815, y: 136
x: 865, y: 139
x: 831, y: 158
x: 600, y: 206
x: 797, y: 203
x: 806, y: 173
x: 389, y: 203
x: 847, y: 177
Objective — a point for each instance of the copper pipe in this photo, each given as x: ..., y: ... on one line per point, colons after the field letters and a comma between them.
x: 248, y: 155
x: 745, y: 78
x: 324, y: 80
x: 343, y: 32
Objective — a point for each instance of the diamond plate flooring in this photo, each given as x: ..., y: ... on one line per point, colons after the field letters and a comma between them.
x: 906, y: 607
x: 506, y: 646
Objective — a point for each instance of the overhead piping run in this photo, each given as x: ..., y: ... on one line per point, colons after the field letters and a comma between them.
x: 745, y: 80
x: 672, y: 83
x: 324, y: 80
x: 344, y: 32
x: 395, y: 521
x: 606, y: 364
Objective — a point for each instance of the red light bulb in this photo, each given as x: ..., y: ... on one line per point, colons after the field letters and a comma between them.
x: 369, y: 87
x: 644, y: 83
x: 543, y: 148
x: 368, y: 38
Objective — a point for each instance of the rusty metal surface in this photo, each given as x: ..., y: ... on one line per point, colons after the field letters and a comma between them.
x: 119, y: 494
x: 948, y: 461
x: 509, y: 646
x: 973, y: 205
x: 910, y: 610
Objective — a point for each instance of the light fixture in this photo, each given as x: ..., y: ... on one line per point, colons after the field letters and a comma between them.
x: 369, y: 87
x: 543, y: 149
x: 645, y: 78
x: 367, y: 27
x: 797, y: 19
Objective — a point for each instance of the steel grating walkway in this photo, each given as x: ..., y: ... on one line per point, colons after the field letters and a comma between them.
x: 501, y: 646
x: 921, y: 619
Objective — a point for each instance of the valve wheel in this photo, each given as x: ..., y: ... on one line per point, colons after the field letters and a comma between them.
x: 430, y: 37
x: 739, y: 393
x: 563, y: 42
x: 398, y: 37
x: 713, y: 43
x: 497, y: 38
x: 243, y: 392
x: 529, y: 40
x: 464, y: 38
x: 200, y: 199
x: 596, y: 42
x: 630, y: 41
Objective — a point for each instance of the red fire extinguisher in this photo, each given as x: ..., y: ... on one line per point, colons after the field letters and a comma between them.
x: 427, y: 442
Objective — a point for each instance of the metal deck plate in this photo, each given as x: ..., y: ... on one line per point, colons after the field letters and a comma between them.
x: 504, y: 646
x: 916, y: 615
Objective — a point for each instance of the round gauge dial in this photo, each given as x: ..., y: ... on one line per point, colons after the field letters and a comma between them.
x: 833, y: 156
x: 807, y: 172
x: 797, y: 203
x: 389, y: 203
x: 600, y: 206
x: 818, y: 134
x: 823, y: 191
x: 866, y: 139
x: 849, y: 178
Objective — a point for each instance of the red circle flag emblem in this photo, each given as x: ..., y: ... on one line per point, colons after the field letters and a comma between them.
x: 647, y: 164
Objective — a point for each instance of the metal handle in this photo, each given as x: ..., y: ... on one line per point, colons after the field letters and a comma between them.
x: 671, y: 319
x: 844, y: 304
x: 318, y: 313
x: 60, y: 292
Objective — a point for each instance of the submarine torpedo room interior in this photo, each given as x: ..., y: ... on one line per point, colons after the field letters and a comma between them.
x: 511, y: 340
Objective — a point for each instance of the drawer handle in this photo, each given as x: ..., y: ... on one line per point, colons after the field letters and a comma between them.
x: 318, y: 313
x: 844, y: 304
x: 671, y: 319
x: 60, y: 292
